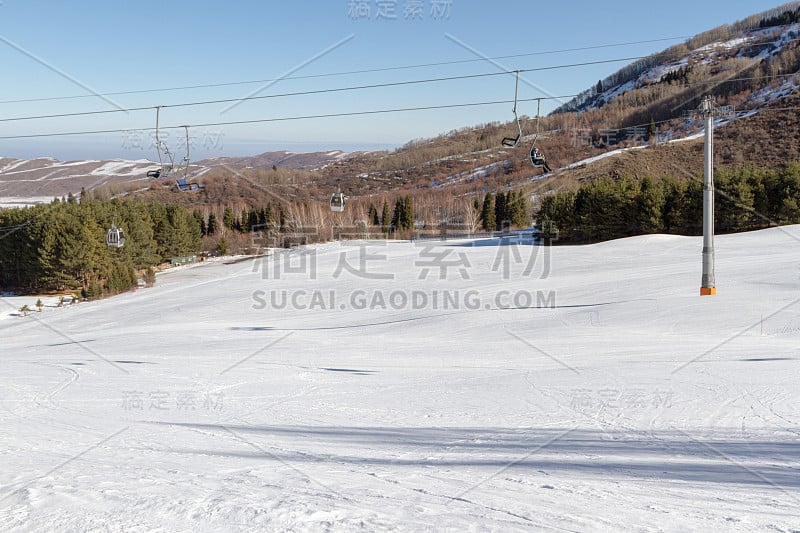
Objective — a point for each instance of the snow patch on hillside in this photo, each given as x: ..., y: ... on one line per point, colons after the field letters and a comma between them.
x: 768, y: 42
x: 7, y: 202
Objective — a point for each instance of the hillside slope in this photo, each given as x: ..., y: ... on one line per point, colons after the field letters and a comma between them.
x: 26, y: 181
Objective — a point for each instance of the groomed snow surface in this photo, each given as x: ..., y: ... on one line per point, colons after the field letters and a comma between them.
x: 349, y: 387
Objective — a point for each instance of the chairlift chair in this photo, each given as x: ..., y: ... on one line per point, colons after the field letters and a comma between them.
x: 185, y: 186
x: 166, y: 168
x: 338, y: 199
x: 182, y: 183
x: 538, y: 159
x: 115, y: 237
x: 513, y: 142
x: 337, y: 202
x: 186, y: 157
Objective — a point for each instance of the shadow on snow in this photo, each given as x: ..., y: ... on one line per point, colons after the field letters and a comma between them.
x: 649, y: 456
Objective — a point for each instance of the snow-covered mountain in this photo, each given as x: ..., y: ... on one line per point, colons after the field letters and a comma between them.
x: 24, y: 181
x: 29, y: 181
x: 280, y: 159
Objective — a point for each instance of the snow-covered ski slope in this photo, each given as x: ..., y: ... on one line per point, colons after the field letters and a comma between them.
x: 350, y: 388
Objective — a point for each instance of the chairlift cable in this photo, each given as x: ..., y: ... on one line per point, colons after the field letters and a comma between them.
x: 283, y: 119
x: 372, y: 86
x: 329, y: 115
x: 158, y: 141
x: 347, y: 73
x: 318, y: 91
x: 186, y: 157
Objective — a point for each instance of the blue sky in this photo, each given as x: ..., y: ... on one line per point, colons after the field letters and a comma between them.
x: 51, y: 48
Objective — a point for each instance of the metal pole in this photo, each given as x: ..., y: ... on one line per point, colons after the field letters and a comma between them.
x: 708, y: 287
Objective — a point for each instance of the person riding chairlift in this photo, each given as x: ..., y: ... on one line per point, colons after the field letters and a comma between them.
x: 538, y: 159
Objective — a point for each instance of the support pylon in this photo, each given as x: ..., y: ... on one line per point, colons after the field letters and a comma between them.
x: 709, y: 111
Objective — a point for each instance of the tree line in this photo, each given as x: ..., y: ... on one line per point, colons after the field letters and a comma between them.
x: 62, y: 246
x: 500, y: 210
x: 746, y: 198
x: 781, y: 19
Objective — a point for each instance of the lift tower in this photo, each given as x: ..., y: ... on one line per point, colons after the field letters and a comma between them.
x: 708, y: 111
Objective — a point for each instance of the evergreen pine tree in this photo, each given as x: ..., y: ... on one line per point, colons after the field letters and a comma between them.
x: 386, y: 220
x: 519, y: 210
x: 692, y: 203
x: 244, y: 227
x: 201, y: 222
x: 373, y: 216
x: 674, y: 220
x: 222, y: 247
x: 265, y: 216
x: 407, y: 218
x: 140, y: 248
x: 736, y: 202
x: 500, y: 211
x: 228, y: 220
x: 650, y: 207
x: 180, y: 235
x: 252, y: 220
x: 211, y: 227
x: 787, y: 196
x: 488, y: 218
x: 396, y: 216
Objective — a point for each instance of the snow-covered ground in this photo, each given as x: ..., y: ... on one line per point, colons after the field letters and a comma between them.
x: 8, y: 202
x: 786, y: 87
x: 417, y: 387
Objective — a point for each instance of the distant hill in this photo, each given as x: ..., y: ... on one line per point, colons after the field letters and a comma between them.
x: 282, y: 159
x: 45, y: 178
x: 24, y: 181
